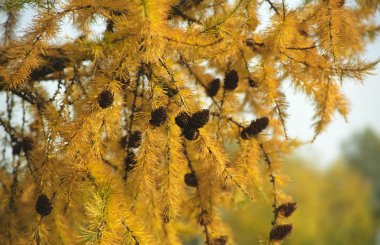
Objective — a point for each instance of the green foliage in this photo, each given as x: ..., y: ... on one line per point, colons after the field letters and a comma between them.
x: 333, y: 208
x: 362, y: 153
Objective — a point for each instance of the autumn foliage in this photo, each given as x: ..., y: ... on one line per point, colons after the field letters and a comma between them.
x: 142, y: 134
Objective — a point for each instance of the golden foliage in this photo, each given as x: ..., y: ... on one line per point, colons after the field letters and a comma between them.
x: 94, y: 123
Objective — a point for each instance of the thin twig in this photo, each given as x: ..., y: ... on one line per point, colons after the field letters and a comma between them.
x: 273, y: 181
x: 272, y: 6
x: 203, y: 210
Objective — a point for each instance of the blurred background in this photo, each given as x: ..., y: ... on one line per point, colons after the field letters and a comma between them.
x: 338, y: 203
x: 335, y: 180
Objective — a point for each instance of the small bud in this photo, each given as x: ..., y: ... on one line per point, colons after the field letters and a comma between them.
x: 213, y: 87
x: 182, y: 119
x: 170, y: 92
x: 286, y: 209
x: 303, y: 32
x: 199, y: 118
x: 279, y: 232
x: 231, y: 80
x: 134, y: 139
x: 249, y: 42
x: 252, y: 83
x: 43, y: 205
x: 158, y: 116
x: 191, y: 180
x: 204, y: 218
x: 191, y: 133
x: 110, y: 26
x: 105, y: 99
x: 340, y: 3
x: 165, y: 219
x: 130, y: 161
x: 116, y: 12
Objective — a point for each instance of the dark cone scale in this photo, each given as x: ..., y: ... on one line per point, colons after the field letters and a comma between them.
x: 130, y: 161
x: 204, y: 218
x: 191, y: 180
x: 27, y: 144
x: 191, y: 133
x: 213, y: 87
x: 231, y: 80
x: 158, y: 116
x: 222, y: 240
x: 182, y: 119
x: 279, y: 232
x: 256, y: 127
x: 16, y: 150
x: 43, y: 205
x: 110, y: 25
x: 170, y: 92
x: 123, y: 141
x: 244, y: 134
x: 286, y: 209
x: 105, y: 99
x: 135, y: 139
x: 55, y: 63
x: 199, y: 118
x: 252, y: 83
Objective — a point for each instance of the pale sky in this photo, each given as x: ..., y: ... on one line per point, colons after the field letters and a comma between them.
x: 364, y: 99
x: 365, y: 112
x: 365, y: 109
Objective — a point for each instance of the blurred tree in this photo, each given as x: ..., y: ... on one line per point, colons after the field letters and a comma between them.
x: 362, y: 153
x: 333, y: 208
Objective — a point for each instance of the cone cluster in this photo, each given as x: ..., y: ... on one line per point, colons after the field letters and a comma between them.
x: 280, y: 232
x: 182, y: 119
x: 190, y: 125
